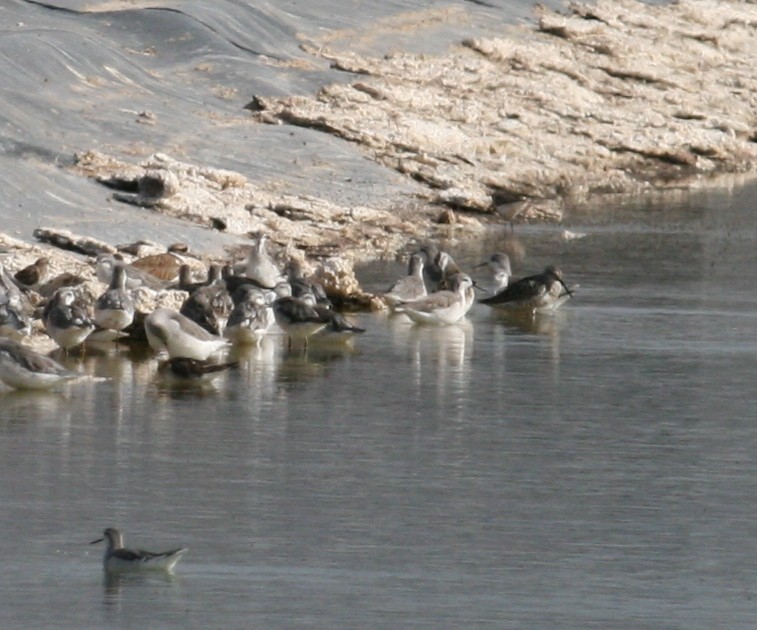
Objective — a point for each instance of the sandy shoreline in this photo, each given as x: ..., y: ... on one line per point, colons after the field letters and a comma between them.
x: 620, y: 97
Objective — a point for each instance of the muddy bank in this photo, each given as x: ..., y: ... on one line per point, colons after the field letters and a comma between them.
x: 617, y: 97
x: 613, y: 97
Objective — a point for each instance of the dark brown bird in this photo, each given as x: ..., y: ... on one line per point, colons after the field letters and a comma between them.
x: 33, y: 274
x: 186, y: 368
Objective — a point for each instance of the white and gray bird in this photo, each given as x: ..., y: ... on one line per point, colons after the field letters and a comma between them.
x: 175, y: 335
x: 24, y: 368
x: 118, y: 558
x: 251, y: 318
x: 498, y: 272
x: 134, y: 277
x: 410, y: 287
x: 67, y: 323
x: 260, y: 265
x: 444, y: 307
x: 114, y: 309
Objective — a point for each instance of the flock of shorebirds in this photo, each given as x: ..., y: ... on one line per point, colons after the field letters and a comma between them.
x: 236, y: 304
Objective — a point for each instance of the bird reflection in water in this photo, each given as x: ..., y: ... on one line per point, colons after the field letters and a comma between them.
x: 441, y: 356
x: 117, y: 586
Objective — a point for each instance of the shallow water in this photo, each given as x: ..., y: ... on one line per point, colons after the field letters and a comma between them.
x: 594, y: 469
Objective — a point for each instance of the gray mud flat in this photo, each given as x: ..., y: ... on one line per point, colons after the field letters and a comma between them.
x: 131, y: 121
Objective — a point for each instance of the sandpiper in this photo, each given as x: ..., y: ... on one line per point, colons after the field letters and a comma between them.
x: 260, y: 265
x: 134, y: 277
x: 163, y: 266
x: 209, y: 306
x: 65, y: 321
x: 33, y: 275
x: 24, y: 368
x: 302, y: 285
x: 499, y: 272
x: 337, y: 328
x: 117, y: 558
x: 251, y: 317
x: 297, y: 318
x: 448, y: 268
x: 409, y: 288
x: 114, y: 309
x: 13, y: 319
x: 442, y: 307
x: 171, y: 333
x: 539, y: 293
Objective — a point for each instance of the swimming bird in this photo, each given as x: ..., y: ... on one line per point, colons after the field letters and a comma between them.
x: 251, y: 318
x: 114, y: 309
x: 65, y: 321
x: 444, y: 307
x: 117, y: 558
x: 174, y: 334
x: 24, y: 368
x: 260, y: 265
x: 499, y: 272
x: 298, y: 319
x: 539, y: 293
x: 410, y: 287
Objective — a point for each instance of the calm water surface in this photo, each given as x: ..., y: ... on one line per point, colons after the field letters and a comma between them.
x: 593, y: 470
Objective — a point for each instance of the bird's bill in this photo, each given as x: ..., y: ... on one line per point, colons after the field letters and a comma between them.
x: 567, y: 290
x: 479, y: 287
x: 97, y: 541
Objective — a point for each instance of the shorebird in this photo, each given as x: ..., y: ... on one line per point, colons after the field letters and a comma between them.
x: 117, y: 558
x: 431, y: 271
x: 409, y: 288
x: 65, y: 321
x: 444, y: 307
x: 34, y: 274
x: 499, y: 272
x: 297, y: 318
x: 187, y: 283
x: 300, y: 285
x: 134, y: 277
x: 114, y: 309
x: 163, y: 266
x: 209, y: 306
x: 539, y: 293
x: 185, y: 369
x: 171, y: 333
x: 24, y: 368
x: 251, y: 317
x: 448, y: 268
x: 261, y: 267
x: 337, y: 328
x: 13, y: 320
